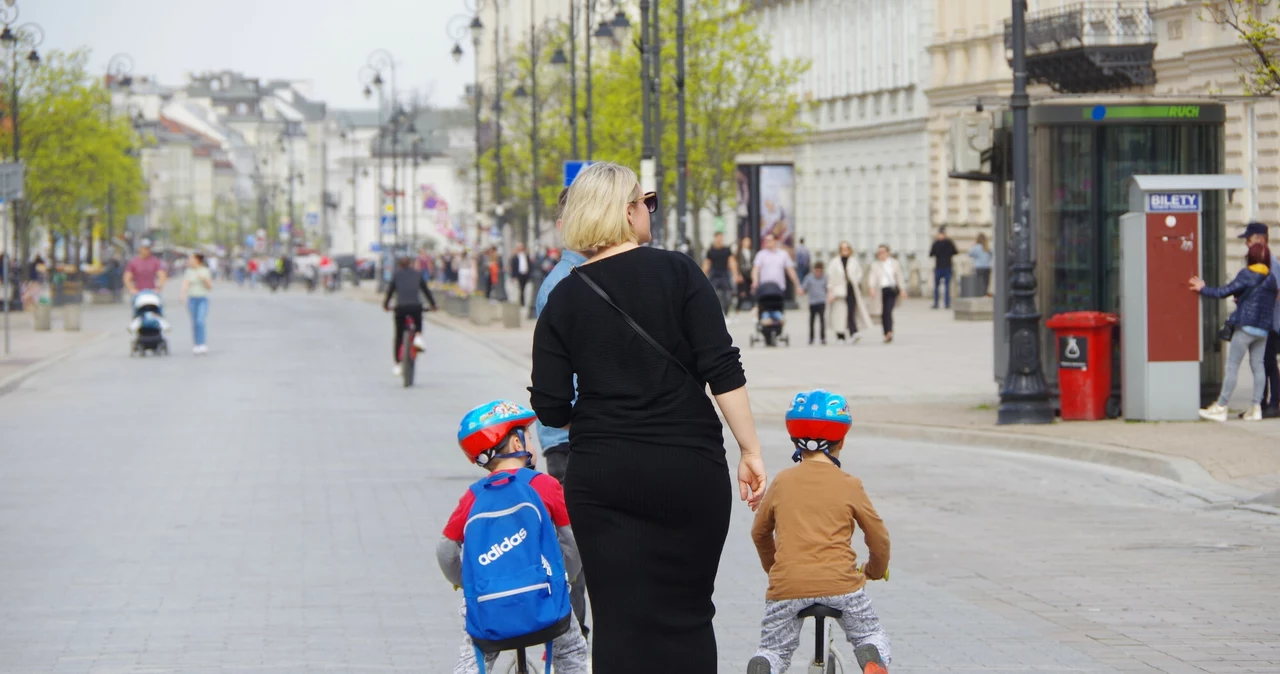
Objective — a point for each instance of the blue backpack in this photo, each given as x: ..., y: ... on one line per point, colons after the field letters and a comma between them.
x: 513, y: 576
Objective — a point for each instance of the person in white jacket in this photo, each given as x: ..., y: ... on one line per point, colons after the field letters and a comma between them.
x: 847, y: 308
x: 886, y: 282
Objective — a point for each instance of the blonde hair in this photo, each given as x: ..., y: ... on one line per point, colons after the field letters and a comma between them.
x: 595, y: 211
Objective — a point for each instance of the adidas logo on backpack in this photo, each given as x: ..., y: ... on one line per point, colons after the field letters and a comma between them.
x: 517, y: 586
x: 496, y: 551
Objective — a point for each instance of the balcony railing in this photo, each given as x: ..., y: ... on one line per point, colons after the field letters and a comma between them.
x: 1090, y: 46
x: 1087, y: 24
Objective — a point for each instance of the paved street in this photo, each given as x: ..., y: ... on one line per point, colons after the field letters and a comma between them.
x: 274, y: 506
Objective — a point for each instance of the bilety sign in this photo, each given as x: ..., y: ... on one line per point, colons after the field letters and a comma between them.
x: 1173, y: 202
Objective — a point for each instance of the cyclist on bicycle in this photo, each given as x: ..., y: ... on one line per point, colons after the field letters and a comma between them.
x: 802, y: 533
x: 408, y: 287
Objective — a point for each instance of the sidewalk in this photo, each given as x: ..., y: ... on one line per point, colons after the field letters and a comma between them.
x: 935, y: 383
x: 29, y: 350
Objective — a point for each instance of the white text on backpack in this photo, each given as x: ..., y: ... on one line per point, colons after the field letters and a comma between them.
x: 496, y: 551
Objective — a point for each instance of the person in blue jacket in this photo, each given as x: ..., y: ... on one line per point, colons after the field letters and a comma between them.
x: 1255, y: 291
x: 555, y: 441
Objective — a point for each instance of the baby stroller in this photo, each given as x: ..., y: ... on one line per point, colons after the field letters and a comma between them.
x: 148, y: 326
x: 770, y: 320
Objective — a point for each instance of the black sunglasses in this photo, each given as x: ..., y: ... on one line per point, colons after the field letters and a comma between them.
x: 650, y: 200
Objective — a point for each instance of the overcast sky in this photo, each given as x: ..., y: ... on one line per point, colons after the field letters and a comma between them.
x: 323, y: 41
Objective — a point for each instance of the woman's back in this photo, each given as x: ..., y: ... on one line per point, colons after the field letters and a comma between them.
x: 626, y: 388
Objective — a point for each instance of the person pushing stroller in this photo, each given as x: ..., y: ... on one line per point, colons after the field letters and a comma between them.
x: 769, y: 274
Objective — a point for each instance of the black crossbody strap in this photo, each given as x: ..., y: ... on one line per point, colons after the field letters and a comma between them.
x: 630, y: 321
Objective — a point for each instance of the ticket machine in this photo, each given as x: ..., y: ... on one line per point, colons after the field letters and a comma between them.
x: 1161, y: 241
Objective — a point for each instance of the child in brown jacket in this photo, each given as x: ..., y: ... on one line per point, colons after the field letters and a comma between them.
x: 802, y: 533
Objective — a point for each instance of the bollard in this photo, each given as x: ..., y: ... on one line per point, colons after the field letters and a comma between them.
x: 43, y: 315
x: 511, y: 315
x: 71, y: 318
x: 478, y: 310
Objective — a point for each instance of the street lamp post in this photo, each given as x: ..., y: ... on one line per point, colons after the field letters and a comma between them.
x: 682, y: 150
x: 1024, y: 399
x: 14, y: 39
x: 458, y: 31
x: 380, y: 61
x: 119, y: 75
x: 655, y: 119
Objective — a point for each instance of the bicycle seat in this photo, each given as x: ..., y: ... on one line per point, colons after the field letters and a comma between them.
x: 820, y: 611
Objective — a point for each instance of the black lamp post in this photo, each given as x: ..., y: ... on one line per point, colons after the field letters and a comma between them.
x: 119, y: 76
x: 1025, y: 396
x: 458, y: 30
x: 477, y: 28
x: 380, y: 61
x: 17, y: 39
x: 613, y: 31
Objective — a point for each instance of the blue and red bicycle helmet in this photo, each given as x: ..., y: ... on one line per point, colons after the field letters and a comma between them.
x: 484, y: 430
x: 816, y: 421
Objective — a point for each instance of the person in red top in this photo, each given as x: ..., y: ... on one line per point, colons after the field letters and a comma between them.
x: 145, y: 272
x: 492, y: 436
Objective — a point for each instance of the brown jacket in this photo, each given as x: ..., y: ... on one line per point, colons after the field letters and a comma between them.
x: 804, y: 528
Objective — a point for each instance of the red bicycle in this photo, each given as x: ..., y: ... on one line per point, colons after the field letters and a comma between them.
x: 408, y: 350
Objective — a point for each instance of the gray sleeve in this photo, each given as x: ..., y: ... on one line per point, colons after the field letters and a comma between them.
x: 569, y: 547
x: 449, y: 556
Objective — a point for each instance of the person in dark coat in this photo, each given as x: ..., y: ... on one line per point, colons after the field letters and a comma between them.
x: 1255, y: 291
x: 646, y: 479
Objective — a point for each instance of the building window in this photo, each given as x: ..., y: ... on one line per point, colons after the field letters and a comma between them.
x: 1175, y: 29
x: 862, y: 107
x: 893, y: 102
x: 847, y: 106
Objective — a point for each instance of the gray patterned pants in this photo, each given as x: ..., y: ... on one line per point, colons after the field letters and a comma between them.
x: 569, y: 653
x: 780, y: 629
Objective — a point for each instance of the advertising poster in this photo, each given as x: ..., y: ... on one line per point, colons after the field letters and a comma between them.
x: 777, y: 202
x: 747, y: 178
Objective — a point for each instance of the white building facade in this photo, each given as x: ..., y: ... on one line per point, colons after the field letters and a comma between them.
x: 862, y: 171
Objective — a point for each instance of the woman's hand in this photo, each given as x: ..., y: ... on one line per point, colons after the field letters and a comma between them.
x: 1195, y: 284
x: 751, y: 478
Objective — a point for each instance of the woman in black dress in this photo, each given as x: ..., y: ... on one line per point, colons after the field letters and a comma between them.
x: 646, y: 484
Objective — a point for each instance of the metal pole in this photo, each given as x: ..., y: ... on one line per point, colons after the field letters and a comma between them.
x: 476, y: 92
x: 8, y: 264
x: 413, y: 184
x: 655, y: 99
x: 682, y: 151
x: 533, y: 133
x: 646, y: 121
x: 324, y: 187
x: 355, y: 168
x: 293, y: 222
x: 1025, y: 397
x: 586, y: 36
x: 573, y: 78
x: 378, y: 207
x: 497, y: 120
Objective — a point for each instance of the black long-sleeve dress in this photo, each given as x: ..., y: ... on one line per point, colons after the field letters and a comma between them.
x: 647, y: 484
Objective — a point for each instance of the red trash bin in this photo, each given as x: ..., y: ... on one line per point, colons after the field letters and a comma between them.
x: 1084, y: 363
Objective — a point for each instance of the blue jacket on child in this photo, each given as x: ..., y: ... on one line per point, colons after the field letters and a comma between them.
x: 1255, y: 294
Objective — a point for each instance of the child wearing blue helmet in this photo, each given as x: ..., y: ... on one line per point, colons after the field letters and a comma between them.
x: 802, y: 533
x: 509, y: 546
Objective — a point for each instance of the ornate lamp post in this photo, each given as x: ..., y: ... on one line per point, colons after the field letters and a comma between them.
x: 459, y: 28
x: 1025, y: 396
x: 380, y: 61
x: 21, y: 42
x: 477, y: 28
x: 119, y: 76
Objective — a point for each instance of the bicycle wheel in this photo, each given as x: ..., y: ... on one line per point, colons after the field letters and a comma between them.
x: 407, y: 358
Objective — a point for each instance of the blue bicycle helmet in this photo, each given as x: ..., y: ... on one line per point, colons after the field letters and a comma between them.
x: 484, y: 430
x: 816, y: 421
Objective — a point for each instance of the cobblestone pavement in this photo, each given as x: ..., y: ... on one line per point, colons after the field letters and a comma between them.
x: 273, y: 507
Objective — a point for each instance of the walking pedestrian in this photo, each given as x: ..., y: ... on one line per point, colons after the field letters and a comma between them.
x: 815, y: 287
x: 804, y: 259
x: 521, y: 269
x: 981, y: 255
x: 887, y: 279
x: 197, y: 281
x: 555, y: 441
x: 144, y: 272
x: 1256, y: 232
x: 942, y: 251
x: 645, y: 486
x: 745, y: 261
x: 722, y: 269
x: 1255, y: 291
x: 844, y: 294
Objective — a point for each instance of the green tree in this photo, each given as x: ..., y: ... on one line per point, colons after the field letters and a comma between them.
x: 77, y: 155
x: 1256, y: 24
x: 739, y: 101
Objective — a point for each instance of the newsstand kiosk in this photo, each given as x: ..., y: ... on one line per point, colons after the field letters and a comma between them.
x: 1161, y: 326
